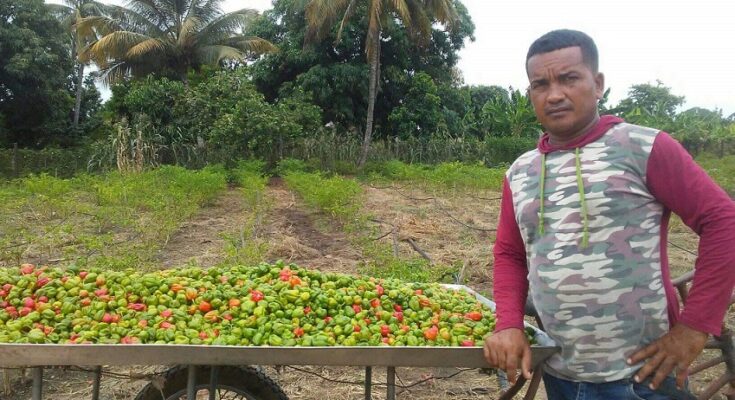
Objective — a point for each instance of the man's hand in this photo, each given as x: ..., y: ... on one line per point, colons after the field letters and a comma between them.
x: 509, y: 350
x: 677, y: 349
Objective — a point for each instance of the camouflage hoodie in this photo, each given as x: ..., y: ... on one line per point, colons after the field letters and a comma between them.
x: 584, y: 229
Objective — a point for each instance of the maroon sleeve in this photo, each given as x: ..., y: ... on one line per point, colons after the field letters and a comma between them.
x: 510, y: 272
x: 683, y: 187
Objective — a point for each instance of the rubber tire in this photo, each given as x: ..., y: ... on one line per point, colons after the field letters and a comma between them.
x: 248, y: 379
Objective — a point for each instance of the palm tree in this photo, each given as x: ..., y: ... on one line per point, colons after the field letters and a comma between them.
x: 70, y: 14
x: 417, y: 16
x: 169, y: 37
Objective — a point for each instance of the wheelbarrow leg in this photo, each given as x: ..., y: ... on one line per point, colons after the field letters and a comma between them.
x: 391, y: 383
x: 368, y: 383
x: 213, y: 378
x: 37, y: 389
x: 96, y: 383
x: 191, y: 383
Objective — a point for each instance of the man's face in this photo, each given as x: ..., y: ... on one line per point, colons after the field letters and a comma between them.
x: 564, y: 91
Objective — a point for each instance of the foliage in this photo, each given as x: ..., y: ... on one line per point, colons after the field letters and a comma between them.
x: 420, y: 112
x: 53, y: 161
x: 335, y: 73
x: 35, y: 102
x: 337, y: 196
x: 514, y: 117
x: 110, y: 219
x: 168, y: 37
x: 452, y: 175
x: 721, y: 169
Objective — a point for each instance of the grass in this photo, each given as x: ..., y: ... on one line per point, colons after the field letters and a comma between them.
x: 337, y: 196
x: 451, y: 175
x: 722, y: 170
x: 110, y: 220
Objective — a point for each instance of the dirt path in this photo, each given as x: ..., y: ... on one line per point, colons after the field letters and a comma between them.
x: 202, y: 239
x: 305, y: 237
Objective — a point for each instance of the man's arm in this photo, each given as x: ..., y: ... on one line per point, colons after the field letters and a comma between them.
x: 508, y: 348
x: 684, y: 188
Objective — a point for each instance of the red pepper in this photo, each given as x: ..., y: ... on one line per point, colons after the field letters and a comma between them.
x: 307, y: 310
x: 379, y: 290
x: 285, y: 274
x: 418, y: 291
x: 397, y: 307
x: 375, y: 303
x: 356, y: 308
x: 384, y: 330
x: 356, y: 328
x: 136, y: 306
x: 43, y: 281
x: 166, y: 313
x: 203, y: 335
x: 398, y: 315
x: 205, y: 307
x: 328, y: 319
x: 474, y: 315
x: 298, y: 331
x: 295, y: 281
x: 256, y: 295
x: 467, y: 343
x: 431, y: 333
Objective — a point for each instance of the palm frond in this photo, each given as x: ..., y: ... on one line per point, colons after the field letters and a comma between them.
x: 401, y: 8
x: 253, y: 44
x: 145, y: 48
x: 188, y: 31
x: 114, y: 73
x: 349, y: 12
x: 114, y: 46
x: 212, y: 55
x: 443, y: 11
x: 321, y: 16
x: 229, y: 22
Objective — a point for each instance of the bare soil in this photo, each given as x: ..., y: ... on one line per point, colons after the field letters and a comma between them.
x: 450, y: 227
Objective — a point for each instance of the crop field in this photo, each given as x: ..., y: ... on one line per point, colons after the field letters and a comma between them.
x: 410, y: 222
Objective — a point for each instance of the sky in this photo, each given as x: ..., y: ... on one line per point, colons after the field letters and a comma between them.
x: 687, y: 45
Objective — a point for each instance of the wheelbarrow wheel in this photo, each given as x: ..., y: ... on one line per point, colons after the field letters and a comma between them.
x: 232, y: 383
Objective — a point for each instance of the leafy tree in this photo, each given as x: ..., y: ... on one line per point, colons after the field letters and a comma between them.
x: 420, y: 114
x: 334, y: 72
x: 34, y: 65
x: 514, y: 117
x: 169, y: 37
x: 415, y: 16
x: 656, y: 100
x: 70, y: 14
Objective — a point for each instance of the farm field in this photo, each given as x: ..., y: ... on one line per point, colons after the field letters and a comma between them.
x: 430, y: 224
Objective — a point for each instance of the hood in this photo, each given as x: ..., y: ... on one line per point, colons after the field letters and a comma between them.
x: 603, y: 125
x: 545, y: 147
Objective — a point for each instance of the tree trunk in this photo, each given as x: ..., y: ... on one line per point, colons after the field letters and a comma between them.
x: 372, y: 94
x: 80, y: 89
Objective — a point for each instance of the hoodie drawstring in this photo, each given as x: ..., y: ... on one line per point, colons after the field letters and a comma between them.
x: 580, y: 189
x: 583, y: 203
x: 542, y: 185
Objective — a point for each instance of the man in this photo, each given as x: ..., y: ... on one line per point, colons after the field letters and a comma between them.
x: 583, y: 227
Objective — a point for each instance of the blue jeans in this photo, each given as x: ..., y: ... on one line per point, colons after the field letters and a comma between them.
x: 626, y: 389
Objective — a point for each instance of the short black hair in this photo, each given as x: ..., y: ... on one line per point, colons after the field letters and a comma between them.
x: 563, y: 38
